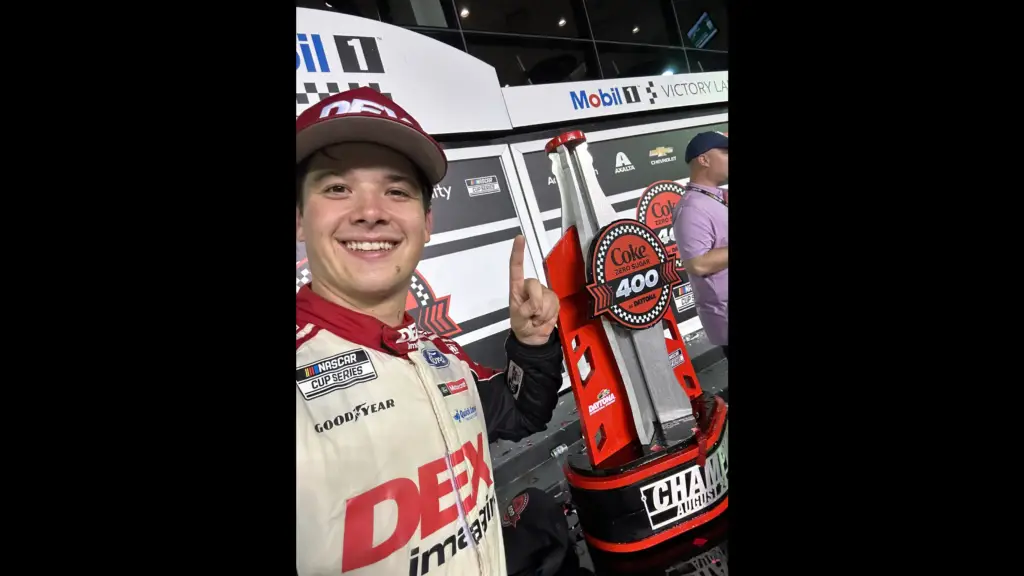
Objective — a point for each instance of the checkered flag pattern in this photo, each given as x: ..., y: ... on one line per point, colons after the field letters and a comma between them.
x: 649, y: 316
x: 316, y: 91
x: 373, y: 85
x: 650, y: 91
x: 301, y: 279
x: 311, y: 90
x: 417, y: 287
x: 654, y: 191
x: 602, y: 250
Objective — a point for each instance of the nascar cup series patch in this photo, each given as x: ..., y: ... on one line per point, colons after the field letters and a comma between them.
x: 338, y: 372
x: 630, y: 275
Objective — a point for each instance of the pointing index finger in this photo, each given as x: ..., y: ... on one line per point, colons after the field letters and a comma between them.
x: 515, y: 262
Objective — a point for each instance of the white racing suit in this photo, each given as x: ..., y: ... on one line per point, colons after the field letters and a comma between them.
x: 389, y: 426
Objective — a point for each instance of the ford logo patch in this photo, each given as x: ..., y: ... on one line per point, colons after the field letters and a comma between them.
x: 435, y: 358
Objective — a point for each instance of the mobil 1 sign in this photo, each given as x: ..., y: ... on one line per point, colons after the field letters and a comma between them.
x: 613, y: 97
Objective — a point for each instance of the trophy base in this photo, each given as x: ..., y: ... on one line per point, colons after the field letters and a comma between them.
x: 637, y: 504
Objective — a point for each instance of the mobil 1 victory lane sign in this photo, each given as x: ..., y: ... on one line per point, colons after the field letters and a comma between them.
x: 630, y: 275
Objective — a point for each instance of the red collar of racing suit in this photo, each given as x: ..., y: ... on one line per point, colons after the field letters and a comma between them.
x: 353, y: 326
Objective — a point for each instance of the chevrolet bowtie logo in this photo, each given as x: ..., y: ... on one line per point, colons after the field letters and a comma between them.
x: 661, y: 151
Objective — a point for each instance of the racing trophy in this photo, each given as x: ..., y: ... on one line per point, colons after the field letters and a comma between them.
x: 655, y: 461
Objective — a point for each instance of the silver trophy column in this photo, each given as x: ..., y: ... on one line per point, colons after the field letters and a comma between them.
x: 655, y: 395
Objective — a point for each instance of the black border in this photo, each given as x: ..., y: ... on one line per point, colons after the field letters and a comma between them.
x: 156, y: 227
x: 161, y: 201
x: 835, y: 219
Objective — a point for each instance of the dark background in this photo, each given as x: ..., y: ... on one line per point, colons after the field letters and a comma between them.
x: 187, y: 460
x: 550, y: 41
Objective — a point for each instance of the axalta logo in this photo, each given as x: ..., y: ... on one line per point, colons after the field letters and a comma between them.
x: 309, y: 54
x: 418, y: 502
x: 613, y: 97
x: 622, y: 163
x: 359, y: 106
x: 465, y: 414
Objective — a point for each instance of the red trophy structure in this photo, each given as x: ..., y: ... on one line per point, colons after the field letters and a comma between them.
x: 656, y: 458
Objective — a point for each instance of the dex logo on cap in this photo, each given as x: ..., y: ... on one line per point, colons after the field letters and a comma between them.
x: 359, y: 106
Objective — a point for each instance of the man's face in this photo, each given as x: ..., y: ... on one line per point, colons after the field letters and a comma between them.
x: 363, y: 221
x: 718, y: 164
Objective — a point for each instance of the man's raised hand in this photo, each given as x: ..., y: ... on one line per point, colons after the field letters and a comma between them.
x: 532, y: 306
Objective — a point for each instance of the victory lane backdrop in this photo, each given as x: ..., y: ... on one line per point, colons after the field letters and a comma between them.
x: 460, y: 288
x: 628, y: 162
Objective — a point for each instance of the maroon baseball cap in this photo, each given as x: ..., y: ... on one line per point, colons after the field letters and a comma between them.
x: 365, y: 115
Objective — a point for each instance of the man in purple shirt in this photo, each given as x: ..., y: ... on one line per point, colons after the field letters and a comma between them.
x: 701, y: 225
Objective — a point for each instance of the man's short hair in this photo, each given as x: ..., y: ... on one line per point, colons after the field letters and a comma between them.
x: 302, y: 170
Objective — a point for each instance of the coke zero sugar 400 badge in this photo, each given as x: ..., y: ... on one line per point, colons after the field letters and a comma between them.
x: 654, y: 209
x: 631, y: 275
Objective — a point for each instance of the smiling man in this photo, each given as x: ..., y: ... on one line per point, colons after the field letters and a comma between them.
x: 393, y: 471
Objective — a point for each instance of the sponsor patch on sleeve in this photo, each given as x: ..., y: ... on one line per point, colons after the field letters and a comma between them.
x: 515, y: 378
x: 464, y: 414
x: 338, y: 372
x: 449, y: 388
